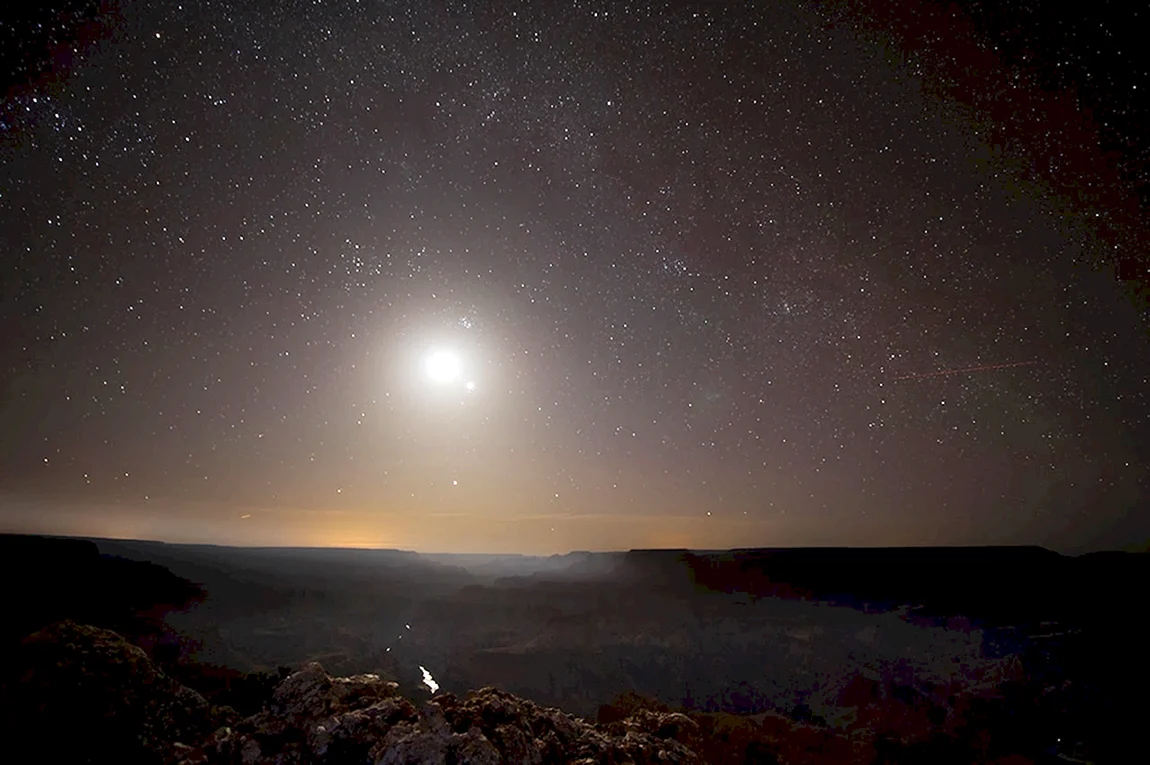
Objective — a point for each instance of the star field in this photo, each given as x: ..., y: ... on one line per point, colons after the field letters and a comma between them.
x: 698, y: 276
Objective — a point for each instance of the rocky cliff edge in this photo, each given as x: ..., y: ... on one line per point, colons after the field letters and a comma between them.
x: 82, y: 694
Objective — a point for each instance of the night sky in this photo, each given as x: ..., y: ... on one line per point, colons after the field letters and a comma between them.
x: 491, y: 276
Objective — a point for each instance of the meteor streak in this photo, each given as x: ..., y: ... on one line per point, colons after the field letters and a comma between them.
x: 984, y: 368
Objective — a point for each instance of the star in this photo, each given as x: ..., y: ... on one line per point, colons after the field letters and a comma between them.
x: 442, y: 366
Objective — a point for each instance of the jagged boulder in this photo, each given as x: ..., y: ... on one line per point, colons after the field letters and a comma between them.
x: 316, y: 718
x: 313, y: 717
x: 76, y: 691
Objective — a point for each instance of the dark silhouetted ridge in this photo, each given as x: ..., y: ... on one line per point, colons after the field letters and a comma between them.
x: 54, y: 578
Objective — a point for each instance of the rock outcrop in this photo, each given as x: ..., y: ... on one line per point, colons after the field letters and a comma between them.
x: 316, y: 718
x: 83, y: 694
x: 76, y: 692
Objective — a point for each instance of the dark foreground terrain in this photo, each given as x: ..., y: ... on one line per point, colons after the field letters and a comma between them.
x: 836, y: 655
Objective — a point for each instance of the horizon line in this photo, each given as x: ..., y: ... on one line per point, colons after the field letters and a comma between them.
x: 1069, y: 553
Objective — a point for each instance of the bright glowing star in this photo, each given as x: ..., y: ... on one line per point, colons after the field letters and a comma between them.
x: 470, y: 385
x: 443, y: 366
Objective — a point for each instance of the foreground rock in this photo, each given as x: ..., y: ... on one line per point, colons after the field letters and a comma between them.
x: 316, y: 718
x: 76, y: 693
x: 83, y: 694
